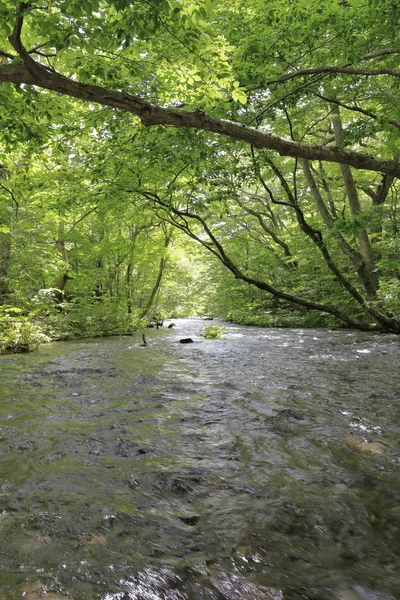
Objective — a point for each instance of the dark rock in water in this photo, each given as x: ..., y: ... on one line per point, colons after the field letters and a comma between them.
x: 186, y: 341
x: 171, y: 325
x: 288, y: 413
x: 192, y: 520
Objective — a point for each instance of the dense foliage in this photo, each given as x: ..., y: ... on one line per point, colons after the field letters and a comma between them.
x: 176, y: 156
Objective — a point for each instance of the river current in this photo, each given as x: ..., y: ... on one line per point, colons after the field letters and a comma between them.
x: 260, y: 466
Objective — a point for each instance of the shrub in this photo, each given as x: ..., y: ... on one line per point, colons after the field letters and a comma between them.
x: 18, y: 333
x: 213, y: 332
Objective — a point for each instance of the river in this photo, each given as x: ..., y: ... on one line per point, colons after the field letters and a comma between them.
x: 260, y: 466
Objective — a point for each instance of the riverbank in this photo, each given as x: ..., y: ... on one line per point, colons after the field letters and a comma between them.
x: 24, y: 334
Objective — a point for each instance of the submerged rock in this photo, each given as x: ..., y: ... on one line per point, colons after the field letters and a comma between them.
x: 360, y: 593
x: 190, y: 520
x: 367, y: 444
x: 233, y: 587
x: 288, y: 413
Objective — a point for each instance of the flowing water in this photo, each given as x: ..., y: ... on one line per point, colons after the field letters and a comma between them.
x: 263, y: 465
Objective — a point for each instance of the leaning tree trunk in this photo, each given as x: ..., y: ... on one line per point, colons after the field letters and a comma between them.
x: 355, y: 257
x: 366, y: 251
x: 161, y: 269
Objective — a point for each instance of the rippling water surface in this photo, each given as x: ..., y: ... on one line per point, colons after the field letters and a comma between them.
x: 261, y: 466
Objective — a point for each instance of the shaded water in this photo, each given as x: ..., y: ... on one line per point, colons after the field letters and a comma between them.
x: 260, y: 466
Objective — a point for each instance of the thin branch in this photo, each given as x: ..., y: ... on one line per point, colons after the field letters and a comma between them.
x: 36, y: 48
x: 7, y: 55
x: 284, y: 97
x: 92, y: 210
x: 326, y: 70
x: 264, y: 184
x: 13, y: 198
x: 45, y: 55
x: 340, y: 70
x: 176, y: 175
x: 367, y: 113
x: 267, y: 230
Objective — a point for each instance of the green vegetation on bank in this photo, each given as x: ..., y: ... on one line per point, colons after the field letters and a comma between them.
x: 193, y: 157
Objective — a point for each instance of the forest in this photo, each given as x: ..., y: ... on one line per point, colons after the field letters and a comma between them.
x: 178, y: 157
x: 228, y: 170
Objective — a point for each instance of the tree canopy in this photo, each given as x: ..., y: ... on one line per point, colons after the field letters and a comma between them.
x: 266, y: 131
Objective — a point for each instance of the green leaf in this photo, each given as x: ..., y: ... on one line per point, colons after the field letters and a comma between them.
x: 239, y: 95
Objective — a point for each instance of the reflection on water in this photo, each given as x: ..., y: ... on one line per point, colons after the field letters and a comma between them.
x: 260, y: 466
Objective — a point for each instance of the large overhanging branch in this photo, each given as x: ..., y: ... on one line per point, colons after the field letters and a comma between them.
x: 38, y: 75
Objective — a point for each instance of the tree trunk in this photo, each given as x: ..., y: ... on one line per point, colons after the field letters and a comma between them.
x: 366, y: 251
x: 64, y: 277
x: 161, y: 268
x: 353, y: 255
x: 128, y: 287
x: 5, y: 244
x: 5, y: 257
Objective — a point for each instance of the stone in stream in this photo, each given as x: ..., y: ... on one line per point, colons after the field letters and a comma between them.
x: 288, y: 413
x: 190, y: 520
x: 365, y: 443
x: 186, y: 341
